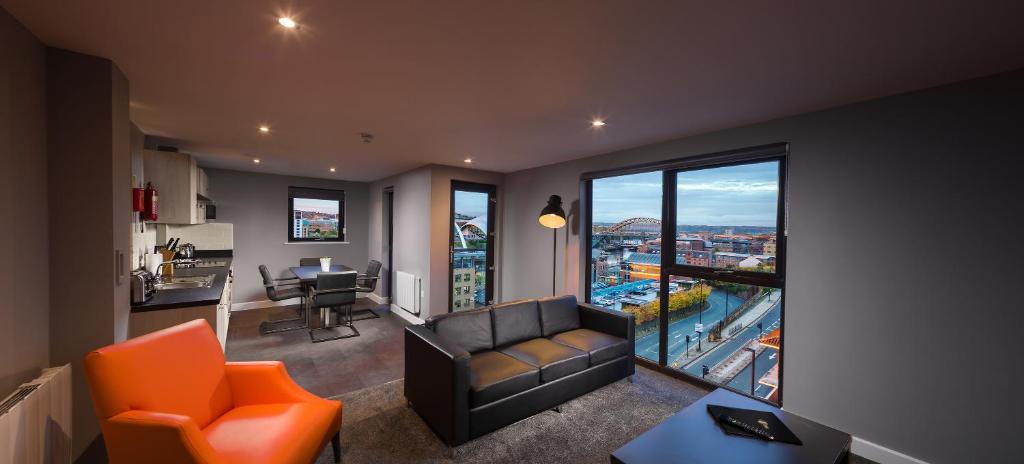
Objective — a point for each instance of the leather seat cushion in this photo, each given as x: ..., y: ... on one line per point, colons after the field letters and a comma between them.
x: 493, y: 376
x: 554, y: 360
x: 602, y: 347
x: 284, y: 293
x: 273, y: 433
x: 515, y: 321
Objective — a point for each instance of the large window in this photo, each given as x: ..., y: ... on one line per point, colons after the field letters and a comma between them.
x: 625, y: 251
x: 316, y: 215
x: 706, y: 285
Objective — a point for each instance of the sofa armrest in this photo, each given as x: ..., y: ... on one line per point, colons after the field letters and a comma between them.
x: 264, y: 382
x: 619, y: 324
x: 437, y: 383
x: 139, y: 436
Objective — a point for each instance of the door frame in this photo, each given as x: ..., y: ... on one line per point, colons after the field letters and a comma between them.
x: 492, y: 205
x: 389, y: 219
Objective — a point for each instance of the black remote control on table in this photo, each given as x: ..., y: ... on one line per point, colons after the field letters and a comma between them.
x: 750, y: 428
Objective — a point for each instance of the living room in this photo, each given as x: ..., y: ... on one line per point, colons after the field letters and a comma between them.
x: 485, y: 233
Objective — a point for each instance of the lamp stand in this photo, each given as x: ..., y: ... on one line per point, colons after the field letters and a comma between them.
x: 554, y: 258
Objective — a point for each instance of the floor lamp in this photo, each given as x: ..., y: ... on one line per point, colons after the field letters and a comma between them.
x: 553, y: 217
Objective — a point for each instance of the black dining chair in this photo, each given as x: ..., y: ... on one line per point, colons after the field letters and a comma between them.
x: 334, y: 291
x: 367, y: 283
x: 279, y: 290
x: 309, y: 262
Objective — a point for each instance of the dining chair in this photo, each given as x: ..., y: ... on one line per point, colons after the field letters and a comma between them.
x: 334, y: 291
x: 367, y: 283
x: 309, y: 262
x: 279, y: 290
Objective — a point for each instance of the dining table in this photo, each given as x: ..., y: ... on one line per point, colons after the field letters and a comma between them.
x: 307, y: 278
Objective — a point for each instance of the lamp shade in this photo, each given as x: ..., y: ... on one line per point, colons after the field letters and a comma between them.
x: 553, y: 216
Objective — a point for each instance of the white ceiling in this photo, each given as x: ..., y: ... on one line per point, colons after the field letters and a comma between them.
x: 513, y: 85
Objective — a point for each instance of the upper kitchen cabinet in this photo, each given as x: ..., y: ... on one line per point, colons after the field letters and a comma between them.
x: 180, y: 184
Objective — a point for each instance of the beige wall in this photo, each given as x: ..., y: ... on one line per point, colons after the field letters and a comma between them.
x: 88, y: 140
x: 24, y: 230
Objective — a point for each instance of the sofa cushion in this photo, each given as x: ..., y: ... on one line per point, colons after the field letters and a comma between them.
x: 493, y: 376
x: 470, y: 330
x: 515, y: 321
x: 272, y: 433
x: 600, y: 346
x: 558, y: 314
x: 555, y: 360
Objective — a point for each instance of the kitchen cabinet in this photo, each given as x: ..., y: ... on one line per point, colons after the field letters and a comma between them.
x: 179, y: 183
x: 218, y: 316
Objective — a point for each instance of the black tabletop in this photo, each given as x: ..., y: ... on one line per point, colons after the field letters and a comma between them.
x: 307, y: 274
x: 692, y: 436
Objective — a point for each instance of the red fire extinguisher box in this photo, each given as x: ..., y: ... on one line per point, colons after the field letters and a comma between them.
x: 138, y: 200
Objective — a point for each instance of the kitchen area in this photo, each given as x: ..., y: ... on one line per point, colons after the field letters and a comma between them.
x: 181, y: 257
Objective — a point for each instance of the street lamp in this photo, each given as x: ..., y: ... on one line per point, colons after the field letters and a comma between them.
x: 753, y: 363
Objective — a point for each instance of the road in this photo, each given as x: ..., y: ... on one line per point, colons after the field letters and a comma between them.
x: 769, y: 322
x: 648, y: 345
x: 677, y: 331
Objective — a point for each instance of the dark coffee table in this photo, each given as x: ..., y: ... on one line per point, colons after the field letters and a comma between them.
x: 692, y: 436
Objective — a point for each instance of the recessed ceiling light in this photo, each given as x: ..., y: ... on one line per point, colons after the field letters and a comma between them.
x: 597, y: 123
x: 467, y: 160
x: 332, y: 169
x: 287, y: 22
x: 264, y: 129
x: 256, y: 160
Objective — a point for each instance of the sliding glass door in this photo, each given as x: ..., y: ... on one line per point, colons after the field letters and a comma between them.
x: 471, y: 246
x: 706, y: 283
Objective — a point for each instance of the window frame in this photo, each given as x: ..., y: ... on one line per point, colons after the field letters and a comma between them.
x: 317, y: 194
x: 669, y: 267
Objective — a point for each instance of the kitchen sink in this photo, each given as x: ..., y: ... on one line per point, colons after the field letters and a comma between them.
x: 175, y: 283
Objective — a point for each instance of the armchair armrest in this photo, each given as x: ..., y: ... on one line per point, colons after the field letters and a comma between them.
x: 437, y: 383
x: 264, y: 382
x: 135, y: 436
x: 620, y: 324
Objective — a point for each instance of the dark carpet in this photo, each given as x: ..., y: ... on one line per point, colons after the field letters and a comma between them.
x: 379, y: 428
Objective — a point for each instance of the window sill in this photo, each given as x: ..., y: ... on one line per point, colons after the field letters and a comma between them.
x: 317, y: 243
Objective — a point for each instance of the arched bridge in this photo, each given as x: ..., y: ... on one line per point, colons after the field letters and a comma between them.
x: 627, y: 224
x: 633, y: 228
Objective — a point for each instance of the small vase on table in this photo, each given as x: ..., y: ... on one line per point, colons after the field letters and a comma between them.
x: 325, y: 264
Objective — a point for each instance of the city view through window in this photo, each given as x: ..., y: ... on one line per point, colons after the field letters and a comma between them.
x: 469, y: 250
x: 315, y: 219
x: 726, y: 219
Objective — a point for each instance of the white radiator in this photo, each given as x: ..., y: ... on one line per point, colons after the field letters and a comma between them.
x: 407, y: 292
x: 35, y: 420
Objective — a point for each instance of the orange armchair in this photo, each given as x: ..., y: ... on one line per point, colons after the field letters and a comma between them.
x: 169, y: 397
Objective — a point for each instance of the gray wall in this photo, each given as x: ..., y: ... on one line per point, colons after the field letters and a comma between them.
x: 422, y: 214
x: 24, y: 270
x: 411, y: 226
x: 89, y: 167
x: 902, y: 317
x: 257, y: 205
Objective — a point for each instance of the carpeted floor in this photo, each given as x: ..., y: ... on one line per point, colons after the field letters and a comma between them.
x: 379, y: 428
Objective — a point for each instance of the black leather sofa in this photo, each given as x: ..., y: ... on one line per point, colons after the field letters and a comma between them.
x: 470, y: 373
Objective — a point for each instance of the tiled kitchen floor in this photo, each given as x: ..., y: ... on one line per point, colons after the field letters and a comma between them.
x: 329, y: 368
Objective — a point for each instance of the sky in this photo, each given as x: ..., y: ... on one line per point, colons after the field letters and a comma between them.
x: 320, y: 206
x: 745, y: 195
x: 471, y: 203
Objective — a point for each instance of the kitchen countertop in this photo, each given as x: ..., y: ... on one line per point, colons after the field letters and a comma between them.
x: 186, y: 297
